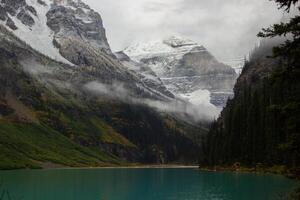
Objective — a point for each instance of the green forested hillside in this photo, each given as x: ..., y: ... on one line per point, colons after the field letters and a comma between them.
x: 261, y: 123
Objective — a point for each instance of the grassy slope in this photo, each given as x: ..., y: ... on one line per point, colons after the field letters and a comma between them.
x: 23, y: 144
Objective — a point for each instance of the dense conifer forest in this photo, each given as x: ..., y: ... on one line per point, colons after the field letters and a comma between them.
x: 261, y: 124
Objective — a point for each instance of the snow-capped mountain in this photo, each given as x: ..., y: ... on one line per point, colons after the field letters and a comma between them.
x: 70, y: 32
x: 186, y: 68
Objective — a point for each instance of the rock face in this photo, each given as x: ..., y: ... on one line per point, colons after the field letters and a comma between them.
x: 185, y: 67
x: 18, y: 9
x: 80, y: 37
x: 75, y: 21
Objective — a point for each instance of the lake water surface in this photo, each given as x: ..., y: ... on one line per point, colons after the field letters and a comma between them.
x: 141, y: 184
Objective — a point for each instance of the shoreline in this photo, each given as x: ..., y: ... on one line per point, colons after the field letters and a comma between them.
x: 133, y: 166
x: 265, y: 170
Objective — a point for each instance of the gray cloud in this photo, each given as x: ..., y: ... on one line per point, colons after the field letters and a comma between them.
x: 227, y: 28
x: 187, y: 111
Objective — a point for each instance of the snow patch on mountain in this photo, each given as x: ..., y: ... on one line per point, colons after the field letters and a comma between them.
x: 38, y: 36
x: 141, y: 49
x: 172, y: 46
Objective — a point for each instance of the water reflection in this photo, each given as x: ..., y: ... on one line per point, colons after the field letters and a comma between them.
x: 142, y: 184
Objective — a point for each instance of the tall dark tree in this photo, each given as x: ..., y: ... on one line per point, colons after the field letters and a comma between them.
x: 286, y: 3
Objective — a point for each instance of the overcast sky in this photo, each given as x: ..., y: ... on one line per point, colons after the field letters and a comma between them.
x: 227, y: 28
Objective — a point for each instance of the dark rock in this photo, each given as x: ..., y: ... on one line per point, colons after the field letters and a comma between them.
x: 17, y: 8
x: 11, y: 24
x: 3, y: 14
x: 31, y: 9
x: 25, y: 18
x: 42, y: 2
x: 10, y: 10
x: 12, y: 6
x: 5, y: 110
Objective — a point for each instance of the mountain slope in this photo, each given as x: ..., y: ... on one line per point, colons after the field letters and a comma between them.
x: 55, y: 110
x: 145, y: 74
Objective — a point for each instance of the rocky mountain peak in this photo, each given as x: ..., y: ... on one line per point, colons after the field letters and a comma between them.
x: 172, y: 45
x: 186, y: 68
x: 50, y: 25
x: 76, y: 20
x: 176, y: 41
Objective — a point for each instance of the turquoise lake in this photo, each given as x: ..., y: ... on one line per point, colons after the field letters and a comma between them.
x: 141, y: 184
